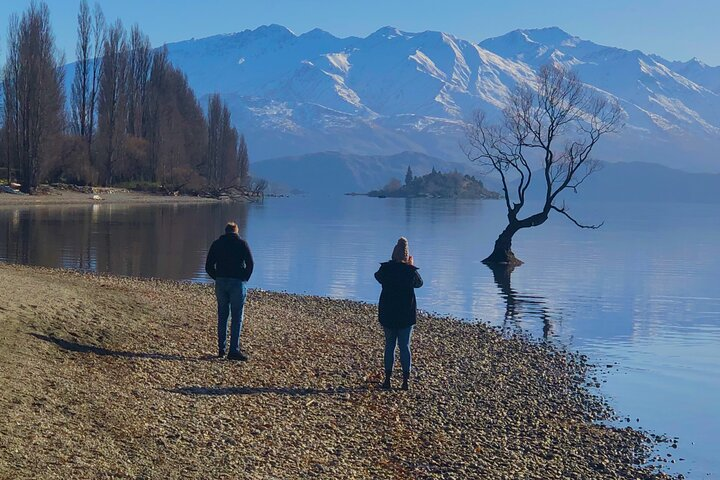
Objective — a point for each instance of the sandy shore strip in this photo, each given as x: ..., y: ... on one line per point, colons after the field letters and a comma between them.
x: 107, y: 196
x: 108, y: 377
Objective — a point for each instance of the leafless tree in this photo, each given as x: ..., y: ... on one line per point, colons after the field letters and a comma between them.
x: 11, y: 128
x: 222, y: 164
x: 174, y: 126
x: 214, y: 161
x: 138, y: 75
x: 554, y: 125
x: 80, y: 87
x: 154, y: 110
x: 98, y: 43
x: 258, y: 185
x: 243, y: 162
x: 90, y: 32
x: 112, y: 100
x: 34, y: 94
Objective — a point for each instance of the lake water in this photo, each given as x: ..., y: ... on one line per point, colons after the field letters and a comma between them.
x: 641, y: 293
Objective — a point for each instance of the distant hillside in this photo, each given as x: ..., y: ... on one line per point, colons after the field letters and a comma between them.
x: 644, y: 182
x: 437, y: 185
x: 394, y: 90
x: 338, y: 173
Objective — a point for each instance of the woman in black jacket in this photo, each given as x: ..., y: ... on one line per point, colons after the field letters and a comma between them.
x: 397, y: 311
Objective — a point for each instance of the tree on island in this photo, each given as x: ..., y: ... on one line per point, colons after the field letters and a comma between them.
x: 436, y: 185
x: 409, y: 176
x: 557, y: 122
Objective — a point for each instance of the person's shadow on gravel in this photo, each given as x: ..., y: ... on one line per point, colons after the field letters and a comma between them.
x: 82, y: 348
x: 290, y: 391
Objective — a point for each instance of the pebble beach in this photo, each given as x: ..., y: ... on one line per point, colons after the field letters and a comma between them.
x: 113, y: 377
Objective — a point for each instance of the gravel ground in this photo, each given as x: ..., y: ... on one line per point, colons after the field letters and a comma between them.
x: 107, y: 377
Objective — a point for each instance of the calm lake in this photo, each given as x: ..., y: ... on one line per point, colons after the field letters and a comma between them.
x: 640, y: 294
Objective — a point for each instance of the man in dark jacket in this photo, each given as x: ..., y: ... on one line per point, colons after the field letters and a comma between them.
x: 230, y: 263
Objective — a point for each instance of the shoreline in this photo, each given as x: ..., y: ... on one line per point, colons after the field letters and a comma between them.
x: 118, y: 374
x: 111, y: 196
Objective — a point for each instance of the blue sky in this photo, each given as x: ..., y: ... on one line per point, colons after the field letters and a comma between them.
x: 677, y: 30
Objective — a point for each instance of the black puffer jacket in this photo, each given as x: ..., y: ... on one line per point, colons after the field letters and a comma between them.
x: 398, y: 306
x: 230, y: 257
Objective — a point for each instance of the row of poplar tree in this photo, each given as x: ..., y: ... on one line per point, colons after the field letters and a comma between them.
x: 131, y: 115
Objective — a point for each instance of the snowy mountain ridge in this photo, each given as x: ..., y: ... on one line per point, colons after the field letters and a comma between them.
x: 396, y: 91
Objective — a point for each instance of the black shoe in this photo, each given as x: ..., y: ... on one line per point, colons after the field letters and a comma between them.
x: 221, y: 353
x: 406, y: 377
x: 237, y: 356
x: 386, y: 384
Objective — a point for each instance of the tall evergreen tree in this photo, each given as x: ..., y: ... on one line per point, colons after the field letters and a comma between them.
x: 409, y: 176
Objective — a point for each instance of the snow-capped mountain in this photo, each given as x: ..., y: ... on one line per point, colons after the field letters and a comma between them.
x: 396, y: 91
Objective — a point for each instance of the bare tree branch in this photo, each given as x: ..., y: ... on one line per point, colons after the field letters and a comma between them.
x: 551, y: 125
x: 564, y: 211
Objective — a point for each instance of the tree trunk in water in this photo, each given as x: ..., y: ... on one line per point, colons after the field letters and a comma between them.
x: 502, y: 253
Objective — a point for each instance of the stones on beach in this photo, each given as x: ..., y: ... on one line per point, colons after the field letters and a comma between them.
x: 119, y: 381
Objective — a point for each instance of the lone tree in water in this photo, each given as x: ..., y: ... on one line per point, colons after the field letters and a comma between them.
x: 554, y: 125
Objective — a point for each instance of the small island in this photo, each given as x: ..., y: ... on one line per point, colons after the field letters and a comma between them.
x: 436, y: 185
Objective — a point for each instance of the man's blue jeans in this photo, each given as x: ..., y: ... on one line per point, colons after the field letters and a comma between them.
x: 401, y: 338
x: 230, y: 294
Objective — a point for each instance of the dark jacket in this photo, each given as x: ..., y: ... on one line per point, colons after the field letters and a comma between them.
x: 398, y: 307
x: 229, y: 257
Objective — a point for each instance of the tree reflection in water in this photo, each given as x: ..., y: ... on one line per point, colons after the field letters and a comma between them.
x: 518, y: 306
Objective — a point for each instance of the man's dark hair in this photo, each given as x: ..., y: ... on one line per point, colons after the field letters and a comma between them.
x: 231, y: 227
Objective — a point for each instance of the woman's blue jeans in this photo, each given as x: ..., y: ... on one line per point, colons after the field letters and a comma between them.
x: 401, y: 338
x: 230, y: 294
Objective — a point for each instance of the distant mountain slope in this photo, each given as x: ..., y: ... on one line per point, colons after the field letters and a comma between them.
x: 695, y: 70
x: 642, y: 182
x: 639, y: 181
x: 338, y: 173
x: 655, y: 97
x: 395, y: 91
